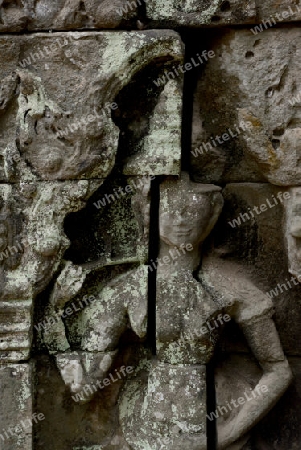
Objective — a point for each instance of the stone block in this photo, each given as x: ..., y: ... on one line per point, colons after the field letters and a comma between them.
x: 67, y: 14
x: 65, y: 127
x: 246, y: 109
x: 16, y: 416
x: 198, y: 13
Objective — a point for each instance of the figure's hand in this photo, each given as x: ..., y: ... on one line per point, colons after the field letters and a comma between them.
x: 68, y: 284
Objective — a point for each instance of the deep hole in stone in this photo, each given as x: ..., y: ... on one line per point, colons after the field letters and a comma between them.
x: 269, y: 92
x: 249, y: 54
x: 82, y: 6
x: 275, y: 143
x: 278, y: 132
x: 225, y: 6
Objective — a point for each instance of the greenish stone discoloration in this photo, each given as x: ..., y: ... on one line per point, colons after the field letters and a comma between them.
x: 196, y: 13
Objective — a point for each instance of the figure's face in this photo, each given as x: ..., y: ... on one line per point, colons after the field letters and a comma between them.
x: 184, y: 224
x: 187, y: 215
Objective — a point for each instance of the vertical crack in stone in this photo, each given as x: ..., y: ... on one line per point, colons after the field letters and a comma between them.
x: 152, y: 255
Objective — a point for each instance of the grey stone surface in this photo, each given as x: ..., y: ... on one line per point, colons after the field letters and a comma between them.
x: 33, y: 151
x: 191, y: 314
x: 292, y: 232
x: 50, y: 169
x: 280, y: 428
x: 251, y: 82
x: 63, y: 128
x: 109, y: 261
x: 200, y: 12
x: 37, y: 15
x: 66, y: 14
x: 259, y: 246
x: 16, y: 415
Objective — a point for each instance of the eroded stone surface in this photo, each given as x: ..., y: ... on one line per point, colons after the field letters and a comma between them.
x: 35, y: 108
x: 191, y: 314
x: 200, y: 12
x: 252, y: 81
x: 63, y: 128
x: 77, y: 248
x: 65, y: 14
x: 17, y: 407
x: 39, y: 15
x: 29, y: 264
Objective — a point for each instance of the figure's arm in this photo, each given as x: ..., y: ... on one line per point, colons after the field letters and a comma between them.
x: 123, y: 300
x: 264, y: 342
x: 67, y: 286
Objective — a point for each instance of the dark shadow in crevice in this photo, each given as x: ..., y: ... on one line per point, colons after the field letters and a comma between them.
x: 136, y: 103
x: 192, y: 40
x: 152, y: 256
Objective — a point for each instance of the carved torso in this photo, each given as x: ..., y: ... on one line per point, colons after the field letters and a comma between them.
x: 184, y: 312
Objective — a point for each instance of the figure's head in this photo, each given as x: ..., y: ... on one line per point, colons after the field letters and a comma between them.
x: 188, y: 211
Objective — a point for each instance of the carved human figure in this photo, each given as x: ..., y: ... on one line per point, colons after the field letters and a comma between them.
x: 170, y: 411
x: 119, y: 304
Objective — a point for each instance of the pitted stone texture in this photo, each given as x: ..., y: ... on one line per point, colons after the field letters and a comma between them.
x: 284, y: 11
x: 168, y: 411
x: 200, y: 12
x: 252, y: 81
x: 18, y: 15
x: 16, y: 407
x: 62, y: 127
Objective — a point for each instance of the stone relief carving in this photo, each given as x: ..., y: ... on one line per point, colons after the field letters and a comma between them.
x: 16, y: 15
x: 117, y: 349
x: 52, y: 174
x: 172, y: 406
